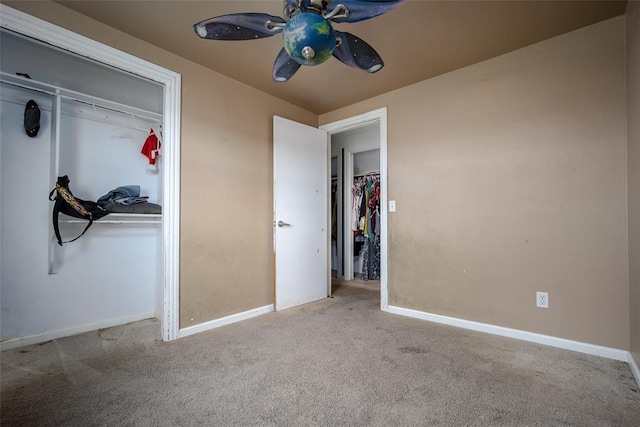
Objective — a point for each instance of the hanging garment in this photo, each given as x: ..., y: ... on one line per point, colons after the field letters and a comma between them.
x: 151, y: 150
x: 356, y: 204
x: 365, y: 274
x: 366, y: 223
x: 371, y: 260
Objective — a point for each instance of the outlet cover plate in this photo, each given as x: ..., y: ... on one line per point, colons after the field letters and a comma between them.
x: 542, y: 300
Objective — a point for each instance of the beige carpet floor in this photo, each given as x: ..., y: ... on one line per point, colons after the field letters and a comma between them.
x: 339, y: 361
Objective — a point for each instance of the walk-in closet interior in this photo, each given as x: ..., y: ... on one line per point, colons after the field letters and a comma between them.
x: 355, y: 204
x: 101, y: 127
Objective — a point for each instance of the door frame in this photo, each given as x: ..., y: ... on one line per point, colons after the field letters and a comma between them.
x: 379, y: 116
x: 39, y: 29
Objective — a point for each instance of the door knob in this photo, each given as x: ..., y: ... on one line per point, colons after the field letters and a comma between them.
x: 283, y: 224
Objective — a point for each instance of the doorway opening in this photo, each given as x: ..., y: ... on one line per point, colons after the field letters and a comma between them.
x: 358, y: 200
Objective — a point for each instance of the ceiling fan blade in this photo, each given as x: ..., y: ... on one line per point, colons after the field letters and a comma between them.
x: 239, y: 26
x: 359, y: 10
x: 357, y: 53
x: 284, y: 68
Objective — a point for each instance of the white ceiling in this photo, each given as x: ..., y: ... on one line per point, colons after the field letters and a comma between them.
x: 417, y: 41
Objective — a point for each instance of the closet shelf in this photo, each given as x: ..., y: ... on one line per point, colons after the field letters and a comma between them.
x: 117, y: 218
x: 80, y: 97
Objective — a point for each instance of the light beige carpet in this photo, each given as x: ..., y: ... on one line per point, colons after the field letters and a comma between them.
x: 340, y: 361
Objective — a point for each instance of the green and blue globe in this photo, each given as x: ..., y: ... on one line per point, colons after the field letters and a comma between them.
x: 309, y: 39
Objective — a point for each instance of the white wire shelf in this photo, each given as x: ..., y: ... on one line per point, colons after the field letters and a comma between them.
x: 116, y: 218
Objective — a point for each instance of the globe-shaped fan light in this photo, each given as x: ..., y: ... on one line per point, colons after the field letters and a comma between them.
x: 309, y: 39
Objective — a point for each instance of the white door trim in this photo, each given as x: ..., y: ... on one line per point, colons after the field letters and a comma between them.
x: 36, y: 28
x: 347, y: 216
x: 380, y: 116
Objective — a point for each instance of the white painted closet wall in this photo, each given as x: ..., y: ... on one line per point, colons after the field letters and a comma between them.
x: 111, y: 275
x: 366, y: 161
x: 357, y: 140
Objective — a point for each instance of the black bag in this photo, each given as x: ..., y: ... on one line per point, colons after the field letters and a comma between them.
x: 70, y: 205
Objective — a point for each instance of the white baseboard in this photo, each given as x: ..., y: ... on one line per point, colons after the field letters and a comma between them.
x: 596, y: 350
x: 634, y: 368
x: 216, y: 323
x: 61, y: 333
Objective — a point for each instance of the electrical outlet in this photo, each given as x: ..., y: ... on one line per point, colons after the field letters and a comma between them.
x: 542, y: 299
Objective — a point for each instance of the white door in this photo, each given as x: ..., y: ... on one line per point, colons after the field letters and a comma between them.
x: 300, y: 213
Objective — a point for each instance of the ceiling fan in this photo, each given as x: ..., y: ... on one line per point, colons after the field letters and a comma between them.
x: 308, y: 37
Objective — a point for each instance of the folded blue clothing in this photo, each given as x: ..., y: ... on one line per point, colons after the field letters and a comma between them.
x: 125, y: 195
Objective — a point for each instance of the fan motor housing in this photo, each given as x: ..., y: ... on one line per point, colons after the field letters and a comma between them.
x: 309, y: 39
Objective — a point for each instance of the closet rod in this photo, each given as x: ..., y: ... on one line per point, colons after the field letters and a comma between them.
x: 110, y: 109
x: 73, y: 95
x: 367, y: 174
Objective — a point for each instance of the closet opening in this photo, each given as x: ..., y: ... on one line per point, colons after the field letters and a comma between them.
x: 98, y: 107
x: 356, y: 207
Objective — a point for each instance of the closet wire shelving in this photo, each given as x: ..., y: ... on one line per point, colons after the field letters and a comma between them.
x: 95, y: 102
x: 118, y: 218
x: 58, y: 93
x: 90, y: 100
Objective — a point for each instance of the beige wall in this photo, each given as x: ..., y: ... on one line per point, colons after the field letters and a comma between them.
x: 509, y: 177
x: 633, y: 159
x: 226, y: 262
